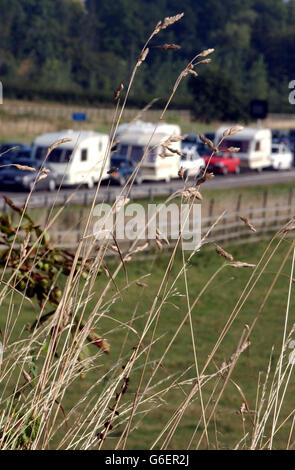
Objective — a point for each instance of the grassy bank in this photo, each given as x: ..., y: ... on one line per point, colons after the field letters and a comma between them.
x: 124, y: 321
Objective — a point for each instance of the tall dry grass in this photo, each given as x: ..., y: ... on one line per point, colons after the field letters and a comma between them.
x: 32, y: 415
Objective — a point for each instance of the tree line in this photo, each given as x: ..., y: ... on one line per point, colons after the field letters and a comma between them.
x: 75, y: 51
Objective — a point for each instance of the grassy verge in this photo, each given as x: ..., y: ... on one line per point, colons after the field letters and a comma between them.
x: 208, y: 319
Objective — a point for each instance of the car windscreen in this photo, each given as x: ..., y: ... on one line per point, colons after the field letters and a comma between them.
x: 190, y: 139
x: 58, y: 155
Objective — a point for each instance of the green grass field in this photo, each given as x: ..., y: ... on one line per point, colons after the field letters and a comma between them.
x: 209, y: 316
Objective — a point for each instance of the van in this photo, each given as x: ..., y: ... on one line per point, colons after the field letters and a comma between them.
x: 254, y: 145
x: 79, y: 161
x: 132, y: 140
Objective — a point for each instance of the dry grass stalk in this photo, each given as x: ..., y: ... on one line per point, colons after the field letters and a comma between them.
x: 208, y: 142
x: 241, y: 264
x: 233, y: 149
x: 205, y: 53
x: 8, y: 150
x: 57, y: 143
x: 192, y: 192
x: 23, y: 167
x: 160, y: 236
x: 159, y: 244
x: 140, y: 248
x: 181, y: 173
x: 204, y: 178
x: 141, y: 284
x: 169, y: 47
x: 291, y: 228
x: 224, y: 253
x: 118, y: 91
x: 168, y: 21
x: 232, y: 131
x: 42, y: 176
x: 192, y: 72
x: 142, y: 57
x: 112, y: 170
x: 248, y: 224
x: 204, y: 61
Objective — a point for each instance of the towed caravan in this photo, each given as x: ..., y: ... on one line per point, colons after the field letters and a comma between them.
x: 254, y: 144
x: 78, y: 161
x: 133, y: 139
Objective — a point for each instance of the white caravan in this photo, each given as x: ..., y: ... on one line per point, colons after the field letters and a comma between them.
x: 134, y: 138
x: 77, y: 161
x: 254, y: 144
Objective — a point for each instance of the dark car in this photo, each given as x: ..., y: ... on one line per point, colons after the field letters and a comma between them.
x: 193, y: 141
x: 12, y: 152
x: 122, y: 169
x: 292, y: 139
x: 11, y: 176
x: 10, y: 145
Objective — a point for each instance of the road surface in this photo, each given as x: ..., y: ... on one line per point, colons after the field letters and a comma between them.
x: 148, y: 189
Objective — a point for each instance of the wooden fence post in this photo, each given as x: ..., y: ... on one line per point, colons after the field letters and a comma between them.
x: 290, y: 197
x: 264, y: 204
x: 238, y: 208
x: 211, y: 208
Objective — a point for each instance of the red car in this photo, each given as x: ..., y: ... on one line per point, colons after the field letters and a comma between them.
x: 223, y: 163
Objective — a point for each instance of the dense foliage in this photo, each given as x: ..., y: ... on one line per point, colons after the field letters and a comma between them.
x: 79, y: 51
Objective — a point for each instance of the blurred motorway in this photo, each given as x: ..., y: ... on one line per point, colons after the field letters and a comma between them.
x: 146, y: 190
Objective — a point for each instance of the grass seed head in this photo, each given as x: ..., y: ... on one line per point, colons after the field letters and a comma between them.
x: 232, y: 131
x: 233, y: 149
x: 248, y: 224
x: 142, y: 57
x: 23, y: 167
x: 208, y: 142
x: 206, y: 52
x: 169, y: 47
x: 241, y: 264
x: 224, y: 253
x: 168, y: 21
x: 118, y: 91
x: 204, y: 178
